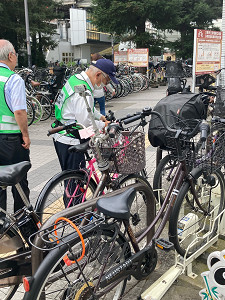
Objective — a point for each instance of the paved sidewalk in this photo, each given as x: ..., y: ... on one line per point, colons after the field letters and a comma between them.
x: 45, y: 165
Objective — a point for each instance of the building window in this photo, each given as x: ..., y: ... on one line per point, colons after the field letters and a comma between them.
x: 92, y: 31
x: 67, y: 57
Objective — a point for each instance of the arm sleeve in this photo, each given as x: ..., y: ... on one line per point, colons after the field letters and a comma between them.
x: 15, y: 93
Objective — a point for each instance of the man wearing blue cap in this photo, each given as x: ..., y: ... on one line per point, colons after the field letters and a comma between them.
x: 70, y: 107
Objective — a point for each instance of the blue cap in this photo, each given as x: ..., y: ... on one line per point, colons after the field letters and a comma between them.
x: 107, y: 66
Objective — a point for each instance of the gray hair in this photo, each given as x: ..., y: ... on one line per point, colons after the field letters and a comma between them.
x: 93, y: 69
x: 5, y: 48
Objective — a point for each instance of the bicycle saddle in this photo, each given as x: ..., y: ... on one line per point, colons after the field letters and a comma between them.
x: 12, y: 174
x: 79, y: 148
x: 117, y: 206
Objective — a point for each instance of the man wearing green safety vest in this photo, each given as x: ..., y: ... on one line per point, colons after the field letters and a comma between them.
x: 70, y: 107
x: 14, y: 136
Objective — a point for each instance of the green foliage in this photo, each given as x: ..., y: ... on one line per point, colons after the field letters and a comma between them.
x: 127, y: 17
x: 12, y: 27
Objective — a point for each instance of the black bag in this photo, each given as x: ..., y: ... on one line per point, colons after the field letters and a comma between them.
x: 177, y: 111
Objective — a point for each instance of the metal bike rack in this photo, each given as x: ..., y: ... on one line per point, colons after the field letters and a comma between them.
x: 182, y: 265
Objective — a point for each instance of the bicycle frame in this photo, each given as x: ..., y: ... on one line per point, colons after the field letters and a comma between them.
x: 89, y: 174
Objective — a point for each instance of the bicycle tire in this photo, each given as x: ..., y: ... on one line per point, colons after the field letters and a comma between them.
x: 53, y: 268
x: 181, y: 234
x: 37, y: 108
x: 30, y: 113
x: 7, y: 293
x: 163, y: 176
x: 50, y: 200
x: 46, y: 106
x: 140, y: 208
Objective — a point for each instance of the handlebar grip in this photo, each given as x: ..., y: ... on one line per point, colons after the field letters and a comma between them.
x: 55, y: 130
x: 132, y: 119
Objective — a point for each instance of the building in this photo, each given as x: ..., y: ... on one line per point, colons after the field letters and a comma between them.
x: 77, y: 37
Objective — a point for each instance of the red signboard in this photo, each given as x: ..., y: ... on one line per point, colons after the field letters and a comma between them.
x: 208, y: 51
x: 138, y: 57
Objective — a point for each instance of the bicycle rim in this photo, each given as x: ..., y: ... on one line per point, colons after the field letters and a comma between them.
x: 62, y: 189
x: 189, y: 227
x: 66, y: 282
x: 46, y: 106
x: 37, y: 108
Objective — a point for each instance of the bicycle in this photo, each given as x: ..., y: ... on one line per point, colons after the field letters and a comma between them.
x: 15, y: 230
x: 71, y: 187
x: 96, y: 259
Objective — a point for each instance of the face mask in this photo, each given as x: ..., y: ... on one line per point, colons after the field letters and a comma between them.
x: 99, y: 87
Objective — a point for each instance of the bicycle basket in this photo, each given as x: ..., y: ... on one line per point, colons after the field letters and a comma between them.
x: 64, y: 230
x: 125, y: 152
x: 184, y: 142
x: 214, y: 155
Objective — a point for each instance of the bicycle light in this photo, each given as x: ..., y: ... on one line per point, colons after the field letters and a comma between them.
x: 27, y: 282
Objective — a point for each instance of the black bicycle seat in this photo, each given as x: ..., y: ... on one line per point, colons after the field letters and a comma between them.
x: 12, y: 174
x: 117, y: 206
x: 79, y: 148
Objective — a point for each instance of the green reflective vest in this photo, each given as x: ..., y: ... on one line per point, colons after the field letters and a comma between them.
x: 7, y: 119
x: 66, y: 92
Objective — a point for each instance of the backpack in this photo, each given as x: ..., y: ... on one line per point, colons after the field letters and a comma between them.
x: 176, y: 109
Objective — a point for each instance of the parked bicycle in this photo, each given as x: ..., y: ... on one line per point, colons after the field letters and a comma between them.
x: 95, y: 260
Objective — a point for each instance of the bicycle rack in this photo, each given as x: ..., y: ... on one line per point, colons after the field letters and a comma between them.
x: 182, y: 265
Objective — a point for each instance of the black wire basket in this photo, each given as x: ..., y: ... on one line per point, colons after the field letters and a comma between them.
x: 213, y: 157
x: 125, y: 152
x: 64, y: 230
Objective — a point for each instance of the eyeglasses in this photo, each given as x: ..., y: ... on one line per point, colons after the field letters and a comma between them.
x: 16, y: 54
x: 106, y: 77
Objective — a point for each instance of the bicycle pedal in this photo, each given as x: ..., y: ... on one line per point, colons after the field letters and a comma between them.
x: 164, y: 244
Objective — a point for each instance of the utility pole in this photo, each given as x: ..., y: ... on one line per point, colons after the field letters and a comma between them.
x: 112, y: 43
x: 27, y: 34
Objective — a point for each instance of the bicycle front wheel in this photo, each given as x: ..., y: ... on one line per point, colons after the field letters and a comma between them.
x: 56, y: 280
x: 141, y: 207
x: 189, y: 226
x: 65, y: 189
x: 163, y: 176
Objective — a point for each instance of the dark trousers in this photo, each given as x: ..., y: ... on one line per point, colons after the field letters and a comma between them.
x: 69, y: 161
x: 11, y: 152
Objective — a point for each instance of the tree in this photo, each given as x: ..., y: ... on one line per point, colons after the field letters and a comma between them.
x: 12, y: 27
x: 188, y: 15
x: 128, y: 17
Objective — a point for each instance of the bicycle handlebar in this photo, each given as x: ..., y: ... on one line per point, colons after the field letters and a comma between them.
x: 61, y: 128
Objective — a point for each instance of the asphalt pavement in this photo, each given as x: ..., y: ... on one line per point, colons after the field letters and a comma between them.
x: 45, y: 165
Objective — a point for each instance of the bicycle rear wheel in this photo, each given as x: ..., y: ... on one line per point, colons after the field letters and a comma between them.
x: 55, y: 280
x: 64, y: 187
x: 141, y: 206
x: 188, y: 225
